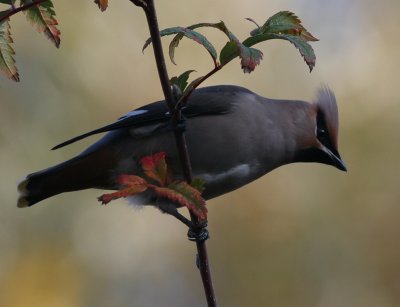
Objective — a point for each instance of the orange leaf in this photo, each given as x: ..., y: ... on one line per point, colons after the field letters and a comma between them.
x: 185, y: 195
x: 155, y: 167
x: 131, y: 184
x: 102, y: 4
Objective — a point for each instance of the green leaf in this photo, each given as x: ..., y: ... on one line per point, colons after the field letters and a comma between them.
x: 198, y: 184
x: 185, y: 195
x: 284, y: 22
x: 250, y: 57
x: 7, y: 62
x: 306, y: 51
x: 42, y: 17
x: 196, y: 36
x: 228, y: 52
x: 185, y: 95
x: 175, y: 41
x: 7, y: 1
x: 285, y: 25
x: 181, y: 80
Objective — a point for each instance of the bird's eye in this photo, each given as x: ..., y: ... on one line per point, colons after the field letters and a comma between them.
x: 321, y: 133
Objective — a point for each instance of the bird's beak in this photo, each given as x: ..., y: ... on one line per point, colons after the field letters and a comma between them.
x: 335, y: 159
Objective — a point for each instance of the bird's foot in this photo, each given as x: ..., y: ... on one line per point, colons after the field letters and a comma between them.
x: 198, y: 232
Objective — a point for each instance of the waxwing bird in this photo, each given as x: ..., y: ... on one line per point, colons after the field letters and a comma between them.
x: 234, y: 136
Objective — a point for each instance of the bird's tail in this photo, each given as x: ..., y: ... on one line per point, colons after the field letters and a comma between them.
x: 75, y: 174
x: 43, y: 184
x: 36, y: 187
x: 26, y: 197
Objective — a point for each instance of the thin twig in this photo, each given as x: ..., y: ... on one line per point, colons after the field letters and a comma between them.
x: 141, y: 3
x: 14, y: 10
x: 183, y: 100
x: 149, y: 9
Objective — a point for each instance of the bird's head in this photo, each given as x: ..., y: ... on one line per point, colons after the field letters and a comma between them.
x: 319, y: 142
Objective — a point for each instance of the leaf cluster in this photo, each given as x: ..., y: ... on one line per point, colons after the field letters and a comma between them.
x: 40, y: 14
x: 283, y: 25
x: 157, y: 178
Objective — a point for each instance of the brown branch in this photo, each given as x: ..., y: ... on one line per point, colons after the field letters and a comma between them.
x: 21, y: 8
x: 203, y: 264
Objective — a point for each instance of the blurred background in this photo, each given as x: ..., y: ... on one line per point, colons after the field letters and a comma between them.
x: 304, y: 235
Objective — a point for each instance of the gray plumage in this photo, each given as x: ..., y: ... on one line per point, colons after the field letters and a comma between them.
x: 234, y: 137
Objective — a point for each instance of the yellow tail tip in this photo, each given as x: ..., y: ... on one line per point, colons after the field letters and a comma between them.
x: 23, y: 192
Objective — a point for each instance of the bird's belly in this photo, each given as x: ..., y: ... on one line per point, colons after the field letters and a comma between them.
x: 219, y: 183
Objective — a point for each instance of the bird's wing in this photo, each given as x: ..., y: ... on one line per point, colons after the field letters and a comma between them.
x: 152, y: 113
x: 206, y: 101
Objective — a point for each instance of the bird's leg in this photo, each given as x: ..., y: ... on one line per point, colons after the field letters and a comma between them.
x: 197, y: 232
x: 170, y: 209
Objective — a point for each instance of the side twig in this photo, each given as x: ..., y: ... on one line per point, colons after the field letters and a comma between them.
x: 203, y: 264
x: 21, y: 8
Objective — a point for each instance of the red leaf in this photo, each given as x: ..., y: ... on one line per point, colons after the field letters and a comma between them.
x: 132, y: 185
x: 179, y: 192
x: 185, y: 195
x: 155, y: 167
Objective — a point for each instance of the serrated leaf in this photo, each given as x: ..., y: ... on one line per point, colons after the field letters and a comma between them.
x: 102, y: 4
x: 198, y: 184
x: 7, y: 61
x: 185, y: 195
x: 196, y: 36
x: 175, y: 41
x: 181, y: 80
x: 190, y: 88
x: 284, y: 22
x: 250, y: 57
x: 42, y: 17
x: 132, y: 185
x: 155, y: 167
x: 305, y: 49
x: 179, y: 192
